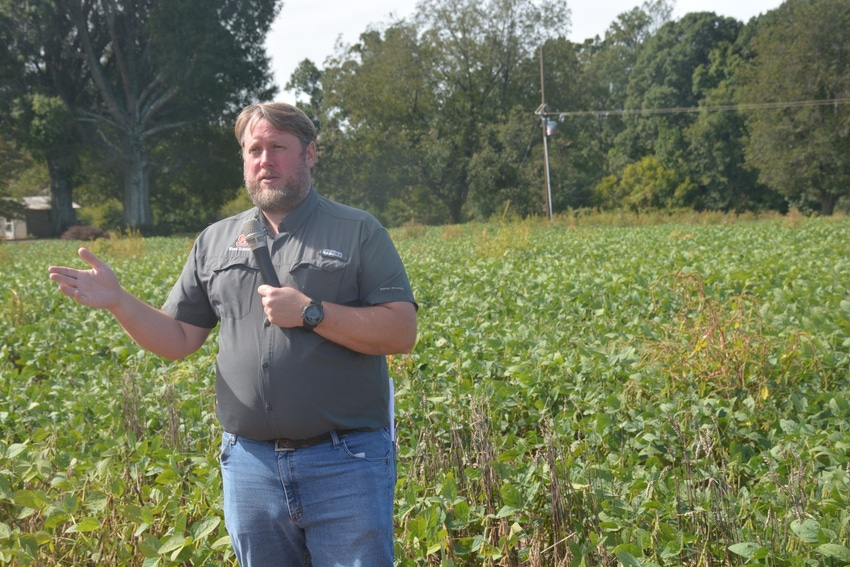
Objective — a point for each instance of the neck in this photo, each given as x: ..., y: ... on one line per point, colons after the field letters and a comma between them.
x: 273, y: 220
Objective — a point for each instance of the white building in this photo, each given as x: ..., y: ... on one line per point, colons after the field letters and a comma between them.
x: 36, y: 222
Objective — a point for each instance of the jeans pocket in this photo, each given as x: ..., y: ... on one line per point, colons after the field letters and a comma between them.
x: 371, y: 446
x: 227, y: 441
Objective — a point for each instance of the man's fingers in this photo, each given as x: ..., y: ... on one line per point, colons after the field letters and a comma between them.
x: 90, y: 258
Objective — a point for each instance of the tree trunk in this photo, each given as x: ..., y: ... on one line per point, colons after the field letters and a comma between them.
x: 137, y: 206
x: 62, y: 213
x: 827, y: 203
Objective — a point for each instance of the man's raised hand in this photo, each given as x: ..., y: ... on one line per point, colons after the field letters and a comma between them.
x: 97, y: 287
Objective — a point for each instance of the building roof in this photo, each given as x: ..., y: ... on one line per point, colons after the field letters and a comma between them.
x: 40, y: 203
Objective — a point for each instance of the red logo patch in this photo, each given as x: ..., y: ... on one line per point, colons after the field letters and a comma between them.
x: 241, y: 242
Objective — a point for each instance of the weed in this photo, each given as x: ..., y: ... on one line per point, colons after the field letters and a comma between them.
x: 711, y: 346
x: 412, y: 229
x: 496, y: 241
x: 128, y: 244
x: 131, y: 411
x: 451, y: 231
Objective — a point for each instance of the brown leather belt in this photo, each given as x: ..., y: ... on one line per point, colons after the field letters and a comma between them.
x: 293, y: 444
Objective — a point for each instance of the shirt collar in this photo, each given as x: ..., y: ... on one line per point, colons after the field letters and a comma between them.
x: 296, y: 218
x: 302, y: 212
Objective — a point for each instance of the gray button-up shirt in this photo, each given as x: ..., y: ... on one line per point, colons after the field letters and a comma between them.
x: 291, y: 383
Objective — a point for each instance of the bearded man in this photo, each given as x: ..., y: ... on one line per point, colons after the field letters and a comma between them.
x: 302, y: 389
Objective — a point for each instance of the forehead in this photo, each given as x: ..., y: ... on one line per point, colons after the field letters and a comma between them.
x: 261, y: 130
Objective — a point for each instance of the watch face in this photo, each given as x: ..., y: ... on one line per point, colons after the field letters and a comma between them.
x: 313, y: 315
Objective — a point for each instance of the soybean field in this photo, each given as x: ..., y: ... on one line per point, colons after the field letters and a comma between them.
x: 581, y: 393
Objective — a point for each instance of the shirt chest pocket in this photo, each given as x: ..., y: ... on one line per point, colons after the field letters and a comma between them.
x: 233, y: 286
x: 321, y: 278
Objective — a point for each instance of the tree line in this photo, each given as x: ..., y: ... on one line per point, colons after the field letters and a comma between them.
x: 431, y: 118
x: 128, y: 102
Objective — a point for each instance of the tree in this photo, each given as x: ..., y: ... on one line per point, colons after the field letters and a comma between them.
x: 715, y: 139
x: 307, y: 80
x: 645, y: 185
x: 12, y: 162
x: 663, y: 79
x: 422, y: 93
x: 197, y: 175
x: 45, y: 80
x: 499, y: 173
x: 372, y: 98
x: 483, y: 55
x: 583, y: 150
x: 800, y: 147
x: 163, y: 66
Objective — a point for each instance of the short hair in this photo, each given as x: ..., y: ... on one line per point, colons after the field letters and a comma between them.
x: 282, y: 116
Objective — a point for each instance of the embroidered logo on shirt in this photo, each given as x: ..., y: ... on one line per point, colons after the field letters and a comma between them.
x: 241, y: 245
x: 328, y: 253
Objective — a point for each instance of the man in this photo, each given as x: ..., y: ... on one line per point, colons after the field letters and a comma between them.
x: 308, y: 464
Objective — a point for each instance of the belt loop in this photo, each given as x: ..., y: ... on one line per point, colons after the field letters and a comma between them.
x: 335, y: 438
x: 232, y: 439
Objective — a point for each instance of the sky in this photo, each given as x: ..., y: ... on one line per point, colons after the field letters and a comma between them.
x: 309, y: 29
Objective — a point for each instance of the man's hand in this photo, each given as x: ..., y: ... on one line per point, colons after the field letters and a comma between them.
x: 387, y: 328
x: 97, y: 287
x: 153, y: 329
x: 283, y: 305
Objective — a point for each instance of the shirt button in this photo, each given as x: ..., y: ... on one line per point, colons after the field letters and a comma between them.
x: 265, y: 365
x: 268, y: 407
x: 267, y: 323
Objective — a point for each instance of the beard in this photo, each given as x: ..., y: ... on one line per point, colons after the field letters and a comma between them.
x: 285, y: 195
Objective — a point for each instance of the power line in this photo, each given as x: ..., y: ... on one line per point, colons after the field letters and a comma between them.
x: 692, y: 109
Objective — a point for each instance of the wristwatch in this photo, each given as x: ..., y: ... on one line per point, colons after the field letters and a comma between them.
x: 313, y: 314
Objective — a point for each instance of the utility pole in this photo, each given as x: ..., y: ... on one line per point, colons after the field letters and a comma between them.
x: 548, y: 128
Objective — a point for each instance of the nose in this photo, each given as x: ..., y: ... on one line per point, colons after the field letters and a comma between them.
x: 265, y: 157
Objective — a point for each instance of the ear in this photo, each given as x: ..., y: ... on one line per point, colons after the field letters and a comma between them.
x: 310, y: 153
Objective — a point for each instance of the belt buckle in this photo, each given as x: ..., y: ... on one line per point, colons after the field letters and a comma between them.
x: 280, y: 445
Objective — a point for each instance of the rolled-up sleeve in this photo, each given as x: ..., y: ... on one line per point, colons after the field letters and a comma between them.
x: 383, y: 278
x: 188, y: 301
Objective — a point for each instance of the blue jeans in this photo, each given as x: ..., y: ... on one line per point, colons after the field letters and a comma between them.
x: 329, y: 505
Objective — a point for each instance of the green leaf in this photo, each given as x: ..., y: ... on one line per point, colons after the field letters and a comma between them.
x: 807, y: 530
x: 30, y: 499
x: 174, y: 542
x: 167, y: 477
x: 203, y: 528
x: 15, y: 449
x: 88, y: 524
x: 460, y: 517
x: 56, y: 519
x: 149, y: 546
x: 506, y: 511
x: 221, y: 543
x: 745, y: 550
x: 836, y: 551
x: 628, y: 560
x: 511, y: 496
x: 449, y: 490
